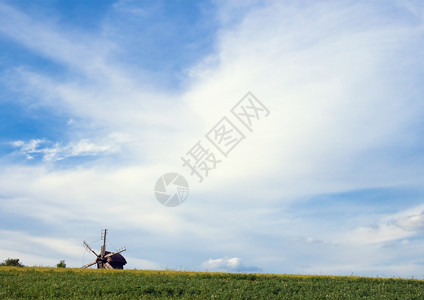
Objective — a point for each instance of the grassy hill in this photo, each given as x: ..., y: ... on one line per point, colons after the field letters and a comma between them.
x: 48, y: 283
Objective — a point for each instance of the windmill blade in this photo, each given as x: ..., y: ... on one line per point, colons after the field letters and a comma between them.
x: 87, y: 246
x: 107, y: 265
x: 89, y: 265
x: 111, y: 254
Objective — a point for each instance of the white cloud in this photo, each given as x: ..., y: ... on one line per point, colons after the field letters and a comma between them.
x: 226, y: 264
x: 334, y: 80
x: 314, y: 68
x: 17, y: 143
x: 411, y: 222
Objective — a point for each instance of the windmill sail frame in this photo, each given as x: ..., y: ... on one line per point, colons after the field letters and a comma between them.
x: 106, y: 259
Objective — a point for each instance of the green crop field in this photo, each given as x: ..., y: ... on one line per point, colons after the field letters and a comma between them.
x: 50, y: 283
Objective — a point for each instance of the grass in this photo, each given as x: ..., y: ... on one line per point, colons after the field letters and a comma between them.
x: 51, y: 283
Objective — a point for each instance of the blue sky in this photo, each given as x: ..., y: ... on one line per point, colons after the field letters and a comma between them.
x: 100, y: 99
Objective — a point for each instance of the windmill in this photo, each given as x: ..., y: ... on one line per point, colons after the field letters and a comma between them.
x: 106, y: 259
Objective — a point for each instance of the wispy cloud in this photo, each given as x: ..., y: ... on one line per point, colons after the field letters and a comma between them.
x: 411, y: 222
x: 85, y: 147
x: 76, y: 50
x: 27, y: 247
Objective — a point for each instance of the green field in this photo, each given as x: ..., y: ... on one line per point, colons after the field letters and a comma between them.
x: 50, y: 283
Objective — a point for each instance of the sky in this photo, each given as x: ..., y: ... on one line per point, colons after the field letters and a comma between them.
x: 99, y: 99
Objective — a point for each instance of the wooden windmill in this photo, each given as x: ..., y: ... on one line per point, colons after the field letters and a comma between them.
x: 106, y: 259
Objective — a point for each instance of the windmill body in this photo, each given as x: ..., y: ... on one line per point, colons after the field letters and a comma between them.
x: 106, y: 259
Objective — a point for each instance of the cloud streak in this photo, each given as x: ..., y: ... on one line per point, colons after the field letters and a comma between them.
x: 85, y: 147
